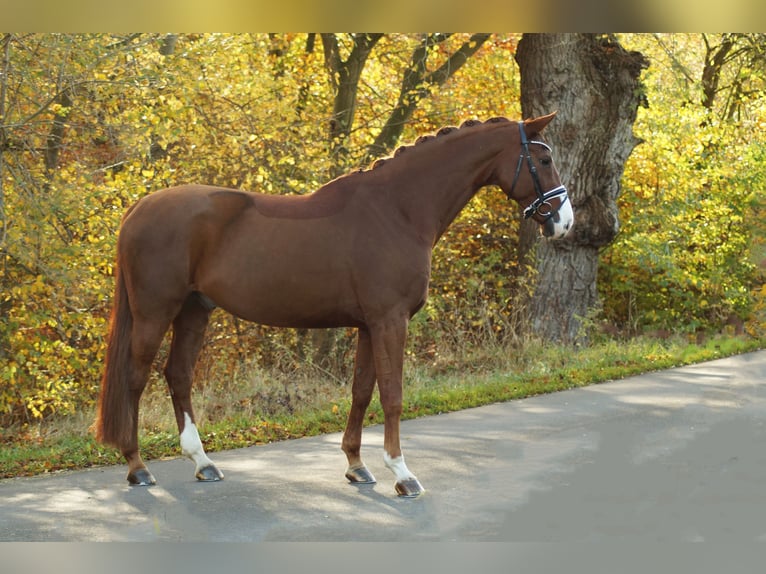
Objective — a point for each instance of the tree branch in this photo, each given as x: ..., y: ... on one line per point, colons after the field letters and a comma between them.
x: 417, y: 84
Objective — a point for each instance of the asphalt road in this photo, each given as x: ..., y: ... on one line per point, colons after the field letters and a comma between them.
x: 674, y: 456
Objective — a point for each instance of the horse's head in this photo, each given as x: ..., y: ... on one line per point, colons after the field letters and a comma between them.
x: 527, y: 174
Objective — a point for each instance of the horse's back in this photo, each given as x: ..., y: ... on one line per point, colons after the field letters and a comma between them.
x: 177, y: 204
x: 187, y: 201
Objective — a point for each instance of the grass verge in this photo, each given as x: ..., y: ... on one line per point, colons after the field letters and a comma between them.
x: 232, y: 417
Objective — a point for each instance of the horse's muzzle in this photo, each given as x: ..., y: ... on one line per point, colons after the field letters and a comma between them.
x: 559, y: 222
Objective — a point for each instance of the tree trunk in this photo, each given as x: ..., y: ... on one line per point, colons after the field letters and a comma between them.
x: 55, y: 141
x: 344, y: 77
x: 593, y: 83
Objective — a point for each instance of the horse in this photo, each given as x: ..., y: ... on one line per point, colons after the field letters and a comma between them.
x: 354, y: 253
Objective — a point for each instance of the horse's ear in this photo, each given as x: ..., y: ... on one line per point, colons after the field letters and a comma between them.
x: 536, y: 125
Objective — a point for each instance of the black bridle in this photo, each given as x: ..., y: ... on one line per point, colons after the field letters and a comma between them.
x: 541, y: 205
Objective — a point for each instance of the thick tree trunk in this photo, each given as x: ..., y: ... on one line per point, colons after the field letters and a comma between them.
x: 593, y: 83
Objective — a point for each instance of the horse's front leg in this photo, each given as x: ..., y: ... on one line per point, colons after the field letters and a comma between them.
x: 388, y: 341
x: 361, y: 394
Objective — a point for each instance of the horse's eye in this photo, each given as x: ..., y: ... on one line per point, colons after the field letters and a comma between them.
x: 546, y: 161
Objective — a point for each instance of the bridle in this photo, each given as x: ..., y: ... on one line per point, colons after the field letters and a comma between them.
x: 542, y: 204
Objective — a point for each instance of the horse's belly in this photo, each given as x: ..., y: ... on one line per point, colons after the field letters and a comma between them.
x: 309, y: 318
x: 289, y: 305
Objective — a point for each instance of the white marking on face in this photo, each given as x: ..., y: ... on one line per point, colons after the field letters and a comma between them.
x: 191, y: 445
x: 563, y: 221
x: 397, y: 466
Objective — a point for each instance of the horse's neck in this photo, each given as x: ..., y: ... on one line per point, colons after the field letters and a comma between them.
x: 437, y: 183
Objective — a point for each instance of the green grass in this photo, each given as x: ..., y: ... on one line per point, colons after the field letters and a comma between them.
x: 253, y: 407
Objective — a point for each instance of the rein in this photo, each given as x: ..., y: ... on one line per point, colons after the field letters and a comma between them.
x: 541, y: 205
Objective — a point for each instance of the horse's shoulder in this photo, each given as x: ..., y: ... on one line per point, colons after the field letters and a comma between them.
x: 231, y: 198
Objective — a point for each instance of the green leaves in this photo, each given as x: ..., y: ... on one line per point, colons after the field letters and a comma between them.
x: 690, y: 207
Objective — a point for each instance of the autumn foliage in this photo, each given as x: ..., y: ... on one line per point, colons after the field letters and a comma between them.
x: 91, y: 123
x: 690, y: 255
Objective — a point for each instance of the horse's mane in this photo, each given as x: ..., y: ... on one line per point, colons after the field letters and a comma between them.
x: 424, y: 139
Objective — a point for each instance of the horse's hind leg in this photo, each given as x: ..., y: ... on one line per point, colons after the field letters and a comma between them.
x: 188, y: 335
x: 145, y: 342
x: 361, y: 393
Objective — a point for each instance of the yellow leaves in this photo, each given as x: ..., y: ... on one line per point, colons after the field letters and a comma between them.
x: 60, y: 110
x: 684, y: 256
x: 8, y: 376
x: 38, y: 285
x: 224, y: 110
x: 55, y: 318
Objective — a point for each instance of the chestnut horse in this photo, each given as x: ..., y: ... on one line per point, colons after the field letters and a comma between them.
x: 355, y: 253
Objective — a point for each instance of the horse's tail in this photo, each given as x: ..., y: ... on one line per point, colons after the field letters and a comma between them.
x: 115, y: 410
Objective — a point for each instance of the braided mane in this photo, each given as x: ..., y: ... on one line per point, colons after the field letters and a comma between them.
x: 468, y: 124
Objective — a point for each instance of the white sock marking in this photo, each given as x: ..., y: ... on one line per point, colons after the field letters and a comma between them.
x: 397, y: 466
x: 191, y: 445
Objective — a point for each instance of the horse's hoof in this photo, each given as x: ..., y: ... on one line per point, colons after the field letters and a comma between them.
x: 360, y: 476
x: 209, y: 473
x: 409, y: 488
x: 141, y: 477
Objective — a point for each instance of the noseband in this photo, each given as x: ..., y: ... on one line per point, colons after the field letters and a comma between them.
x: 542, y: 205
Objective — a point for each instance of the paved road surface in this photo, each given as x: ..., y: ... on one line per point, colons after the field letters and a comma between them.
x: 671, y: 456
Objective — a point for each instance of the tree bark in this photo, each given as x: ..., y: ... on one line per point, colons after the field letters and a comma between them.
x: 168, y: 44
x: 593, y: 83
